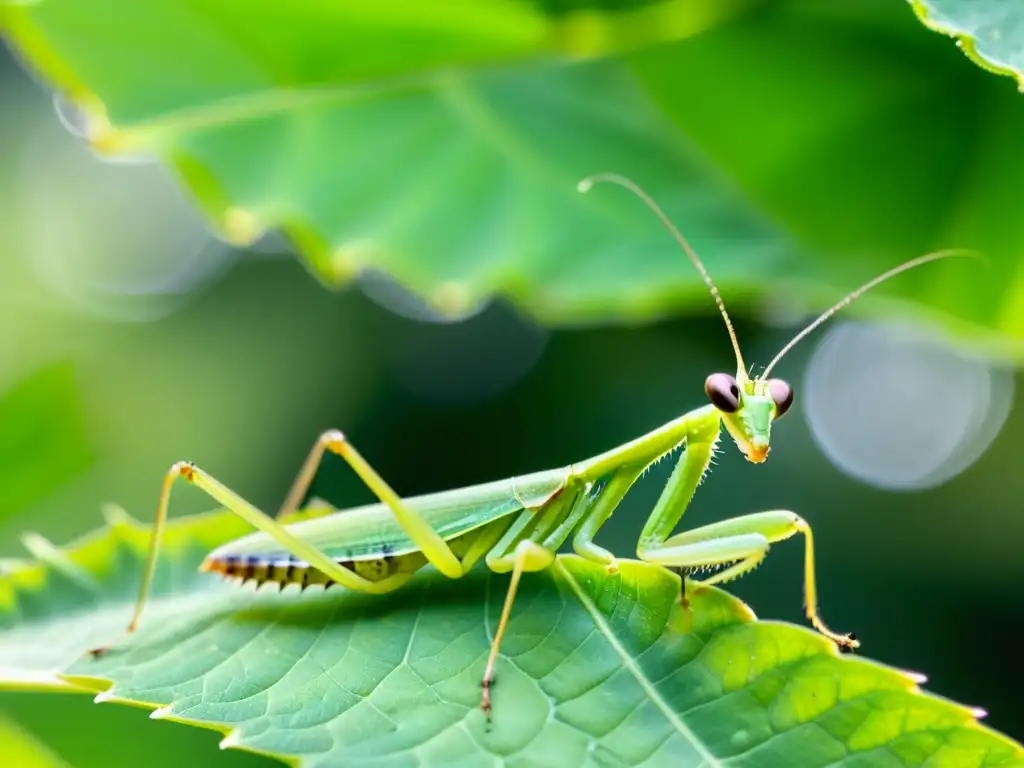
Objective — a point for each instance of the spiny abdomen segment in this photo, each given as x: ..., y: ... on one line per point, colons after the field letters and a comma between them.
x: 291, y: 571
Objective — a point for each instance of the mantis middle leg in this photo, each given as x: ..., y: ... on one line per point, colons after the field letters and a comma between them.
x: 739, y: 544
x: 533, y: 540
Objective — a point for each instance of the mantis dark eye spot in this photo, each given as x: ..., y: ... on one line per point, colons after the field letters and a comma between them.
x: 782, y: 394
x: 723, y: 392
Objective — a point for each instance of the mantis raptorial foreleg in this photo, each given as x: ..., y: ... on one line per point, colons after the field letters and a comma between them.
x: 740, y: 543
x: 746, y: 540
x: 434, y: 548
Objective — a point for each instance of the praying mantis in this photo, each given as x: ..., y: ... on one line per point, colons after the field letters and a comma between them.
x: 518, y: 524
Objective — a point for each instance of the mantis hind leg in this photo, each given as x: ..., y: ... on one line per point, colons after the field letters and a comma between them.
x: 741, y: 544
x: 434, y: 548
x: 235, y: 503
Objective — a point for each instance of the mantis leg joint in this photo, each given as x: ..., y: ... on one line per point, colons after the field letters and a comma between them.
x: 334, y: 440
x: 186, y: 469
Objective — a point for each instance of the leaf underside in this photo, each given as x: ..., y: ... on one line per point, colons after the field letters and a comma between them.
x: 990, y: 32
x: 449, y: 161
x: 443, y: 148
x: 596, y: 669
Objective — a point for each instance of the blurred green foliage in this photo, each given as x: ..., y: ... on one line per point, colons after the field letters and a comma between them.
x: 23, y: 751
x: 43, y: 441
x: 845, y: 130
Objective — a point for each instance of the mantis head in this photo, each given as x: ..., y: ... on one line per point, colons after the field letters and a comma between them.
x: 748, y: 406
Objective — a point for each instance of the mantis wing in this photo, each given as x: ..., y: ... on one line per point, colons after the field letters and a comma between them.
x: 366, y: 532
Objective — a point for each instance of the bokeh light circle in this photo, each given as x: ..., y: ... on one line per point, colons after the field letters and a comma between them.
x: 115, y: 239
x: 898, y: 408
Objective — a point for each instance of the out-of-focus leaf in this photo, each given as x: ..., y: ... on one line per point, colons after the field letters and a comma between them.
x: 597, y: 669
x: 990, y: 32
x: 445, y: 148
x: 43, y: 441
x: 161, y: 59
x: 460, y: 184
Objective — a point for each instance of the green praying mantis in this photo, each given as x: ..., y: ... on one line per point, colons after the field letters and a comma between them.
x: 518, y: 524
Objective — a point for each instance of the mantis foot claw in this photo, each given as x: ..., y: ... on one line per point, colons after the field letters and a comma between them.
x: 485, y: 701
x: 848, y: 643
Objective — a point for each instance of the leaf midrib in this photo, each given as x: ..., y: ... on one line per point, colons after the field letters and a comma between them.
x: 630, y: 665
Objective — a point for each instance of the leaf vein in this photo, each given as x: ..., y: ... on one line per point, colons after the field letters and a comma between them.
x: 630, y: 665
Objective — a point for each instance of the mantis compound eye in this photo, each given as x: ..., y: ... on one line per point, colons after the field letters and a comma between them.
x: 782, y: 394
x: 723, y: 392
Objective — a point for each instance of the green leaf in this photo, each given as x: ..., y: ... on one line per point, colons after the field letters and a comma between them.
x: 596, y: 669
x: 990, y: 32
x: 43, y: 441
x: 443, y: 147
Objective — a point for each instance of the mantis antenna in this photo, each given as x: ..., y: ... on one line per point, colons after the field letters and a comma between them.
x: 585, y: 185
x: 855, y: 294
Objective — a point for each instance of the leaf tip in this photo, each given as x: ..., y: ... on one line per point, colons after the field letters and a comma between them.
x: 348, y: 260
x: 232, y: 740
x: 453, y: 299
x: 94, y: 124
x: 241, y: 227
x: 917, y: 678
x: 105, y: 696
